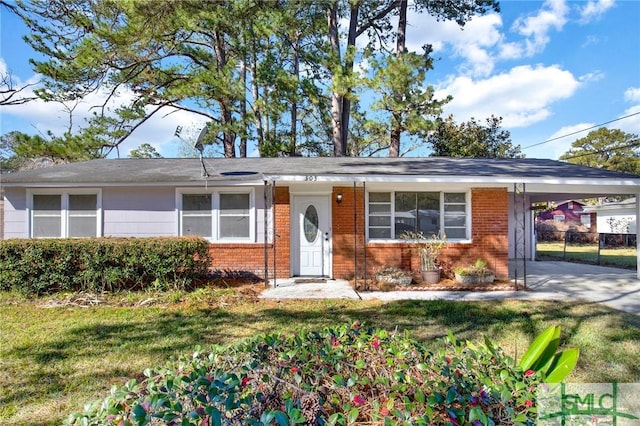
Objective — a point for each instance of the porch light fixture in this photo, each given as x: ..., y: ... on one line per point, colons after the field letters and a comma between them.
x: 339, y: 198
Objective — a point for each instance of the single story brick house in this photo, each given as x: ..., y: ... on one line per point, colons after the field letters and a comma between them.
x: 320, y: 217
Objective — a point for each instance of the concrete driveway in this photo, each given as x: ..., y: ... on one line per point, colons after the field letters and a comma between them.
x: 617, y: 288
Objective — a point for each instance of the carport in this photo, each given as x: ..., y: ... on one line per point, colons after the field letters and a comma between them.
x: 557, y: 184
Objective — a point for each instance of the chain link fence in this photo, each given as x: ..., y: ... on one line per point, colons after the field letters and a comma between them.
x: 587, y: 247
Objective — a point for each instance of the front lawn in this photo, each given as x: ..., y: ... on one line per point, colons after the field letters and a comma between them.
x: 56, y: 355
x: 623, y: 257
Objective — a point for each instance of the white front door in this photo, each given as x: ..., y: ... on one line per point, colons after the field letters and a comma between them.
x: 313, y: 236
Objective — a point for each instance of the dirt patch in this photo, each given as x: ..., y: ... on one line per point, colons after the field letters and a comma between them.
x: 443, y: 285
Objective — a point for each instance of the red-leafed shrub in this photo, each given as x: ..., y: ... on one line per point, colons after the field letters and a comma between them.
x: 342, y: 375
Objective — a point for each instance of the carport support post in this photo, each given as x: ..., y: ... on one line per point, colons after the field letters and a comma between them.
x: 637, y: 239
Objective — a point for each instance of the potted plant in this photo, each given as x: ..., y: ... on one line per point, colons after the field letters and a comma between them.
x: 478, y: 273
x: 428, y: 250
x: 393, y: 275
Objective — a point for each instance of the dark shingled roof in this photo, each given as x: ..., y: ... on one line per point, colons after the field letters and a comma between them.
x: 165, y: 170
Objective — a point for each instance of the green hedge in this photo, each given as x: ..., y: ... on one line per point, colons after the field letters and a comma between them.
x: 32, y: 266
x: 344, y: 375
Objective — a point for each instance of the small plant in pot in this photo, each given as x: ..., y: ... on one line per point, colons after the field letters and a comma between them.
x: 428, y: 249
x: 393, y: 275
x: 478, y: 273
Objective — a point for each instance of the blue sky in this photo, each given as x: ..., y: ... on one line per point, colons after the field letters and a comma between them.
x: 549, y: 68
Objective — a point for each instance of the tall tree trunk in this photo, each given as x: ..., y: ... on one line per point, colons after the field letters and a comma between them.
x: 255, y: 92
x: 396, y: 116
x: 243, y: 110
x: 339, y: 150
x: 294, y: 104
x: 229, y: 137
x: 346, y: 101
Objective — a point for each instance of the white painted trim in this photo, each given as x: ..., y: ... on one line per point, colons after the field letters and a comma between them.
x: 189, y: 184
x: 507, y: 180
x: 469, y: 216
x: 215, y: 192
x: 64, y: 207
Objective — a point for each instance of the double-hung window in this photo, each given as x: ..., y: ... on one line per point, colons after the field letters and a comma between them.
x: 197, y: 215
x: 217, y: 215
x: 234, y: 216
x: 393, y: 213
x: 55, y: 215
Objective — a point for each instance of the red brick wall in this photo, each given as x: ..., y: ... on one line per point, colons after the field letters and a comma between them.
x: 489, y: 238
x: 249, y: 258
x: 347, y: 243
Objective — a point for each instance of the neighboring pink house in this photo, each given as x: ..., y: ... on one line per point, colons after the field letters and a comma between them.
x: 569, y: 211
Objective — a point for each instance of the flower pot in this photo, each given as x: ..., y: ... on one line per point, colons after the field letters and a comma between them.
x: 395, y: 280
x: 465, y: 279
x: 475, y: 279
x: 487, y: 279
x: 431, y: 277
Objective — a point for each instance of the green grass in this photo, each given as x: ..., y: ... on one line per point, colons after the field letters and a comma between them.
x: 53, y: 360
x: 588, y: 253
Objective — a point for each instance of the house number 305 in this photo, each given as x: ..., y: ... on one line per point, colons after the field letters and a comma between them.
x: 311, y: 178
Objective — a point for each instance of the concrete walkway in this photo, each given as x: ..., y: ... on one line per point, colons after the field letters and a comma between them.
x: 617, y: 288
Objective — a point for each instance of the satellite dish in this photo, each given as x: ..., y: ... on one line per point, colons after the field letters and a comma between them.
x: 199, y: 145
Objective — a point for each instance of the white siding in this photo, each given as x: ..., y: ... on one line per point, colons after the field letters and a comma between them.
x: 626, y: 214
x: 126, y: 212
x: 15, y: 213
x: 139, y: 212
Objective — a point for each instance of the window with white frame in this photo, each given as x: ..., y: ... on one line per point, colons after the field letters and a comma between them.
x: 55, y: 215
x: 585, y: 219
x: 221, y: 216
x: 392, y: 213
x: 234, y: 216
x: 197, y: 215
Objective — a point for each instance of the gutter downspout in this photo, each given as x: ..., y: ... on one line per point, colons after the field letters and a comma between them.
x: 364, y: 233
x: 275, y: 236
x: 266, y: 239
x: 355, y: 236
x: 355, y: 241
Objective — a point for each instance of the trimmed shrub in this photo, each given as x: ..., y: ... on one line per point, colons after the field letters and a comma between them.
x: 33, y: 266
x: 341, y: 375
x: 574, y: 232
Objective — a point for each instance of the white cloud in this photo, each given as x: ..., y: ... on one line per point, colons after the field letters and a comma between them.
x: 561, y: 140
x: 521, y: 96
x: 630, y: 124
x: 632, y: 94
x: 594, y: 9
x: 43, y: 117
x: 592, y: 77
x: 473, y: 43
x: 536, y: 28
x: 559, y: 146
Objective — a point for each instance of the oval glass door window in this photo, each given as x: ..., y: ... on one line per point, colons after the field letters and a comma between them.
x: 311, y: 224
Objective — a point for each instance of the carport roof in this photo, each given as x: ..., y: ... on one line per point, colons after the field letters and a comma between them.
x: 185, y: 170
